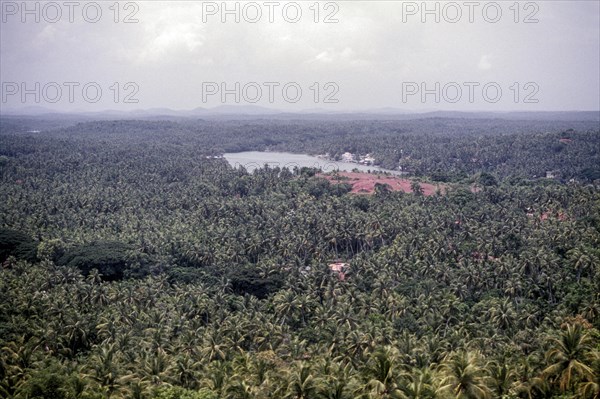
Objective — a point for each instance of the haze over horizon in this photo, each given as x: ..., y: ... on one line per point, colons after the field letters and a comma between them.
x: 539, y: 56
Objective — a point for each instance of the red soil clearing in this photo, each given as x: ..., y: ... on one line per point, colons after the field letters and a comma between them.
x: 364, y: 183
x: 560, y: 216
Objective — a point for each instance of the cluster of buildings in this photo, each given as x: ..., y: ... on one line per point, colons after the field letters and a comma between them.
x: 349, y: 157
x: 362, y: 159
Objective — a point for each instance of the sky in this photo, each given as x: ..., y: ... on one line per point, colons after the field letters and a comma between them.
x: 305, y: 55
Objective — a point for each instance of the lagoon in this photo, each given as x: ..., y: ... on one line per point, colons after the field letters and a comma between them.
x: 252, y: 160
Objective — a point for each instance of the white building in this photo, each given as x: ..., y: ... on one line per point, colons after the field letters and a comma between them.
x: 347, y: 157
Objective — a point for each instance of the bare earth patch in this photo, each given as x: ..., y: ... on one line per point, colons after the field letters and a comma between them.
x: 364, y: 183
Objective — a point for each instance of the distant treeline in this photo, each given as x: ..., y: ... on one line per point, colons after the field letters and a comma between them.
x: 438, y: 148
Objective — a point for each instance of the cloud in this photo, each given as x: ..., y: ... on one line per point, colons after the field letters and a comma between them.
x: 46, y: 36
x: 485, y: 62
x: 173, y: 33
x: 345, y: 57
x: 184, y: 37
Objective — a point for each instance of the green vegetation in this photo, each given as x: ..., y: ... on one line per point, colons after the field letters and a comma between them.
x: 133, y: 266
x: 110, y: 259
x: 17, y: 244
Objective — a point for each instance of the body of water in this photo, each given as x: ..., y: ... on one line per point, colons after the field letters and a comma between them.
x: 257, y: 159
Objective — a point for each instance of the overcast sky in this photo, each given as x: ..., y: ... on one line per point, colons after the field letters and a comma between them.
x: 181, y: 55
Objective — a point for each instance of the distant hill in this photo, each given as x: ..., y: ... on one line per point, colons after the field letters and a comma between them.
x: 236, y: 112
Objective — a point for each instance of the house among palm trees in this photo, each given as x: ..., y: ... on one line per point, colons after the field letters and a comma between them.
x: 367, y: 160
x: 340, y: 268
x: 552, y: 174
x: 348, y: 157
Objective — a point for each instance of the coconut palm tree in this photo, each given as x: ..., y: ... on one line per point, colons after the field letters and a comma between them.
x: 301, y: 383
x: 419, y: 384
x: 382, y: 379
x: 464, y: 377
x: 502, y: 377
x: 568, y: 357
x: 590, y: 388
x: 106, y: 374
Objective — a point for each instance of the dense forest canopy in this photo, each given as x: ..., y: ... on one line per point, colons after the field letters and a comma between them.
x: 135, y: 265
x: 448, y: 147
